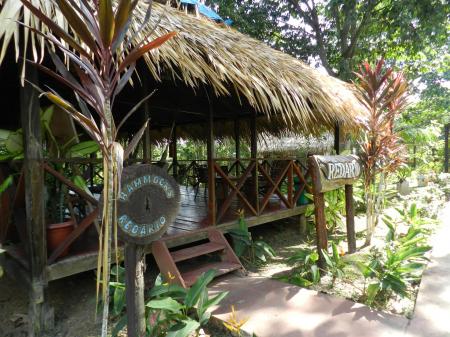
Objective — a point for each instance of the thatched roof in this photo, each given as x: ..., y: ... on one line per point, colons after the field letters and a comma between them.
x: 231, y: 63
x: 243, y: 74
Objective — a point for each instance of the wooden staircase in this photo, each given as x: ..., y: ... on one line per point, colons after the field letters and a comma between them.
x: 167, y: 260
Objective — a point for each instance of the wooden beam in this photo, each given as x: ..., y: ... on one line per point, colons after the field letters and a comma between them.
x: 134, y: 283
x: 350, y: 218
x: 34, y: 201
x: 319, y: 213
x: 337, y: 138
x: 254, y: 156
x: 211, y: 153
x: 446, y: 149
x: 175, y: 154
x: 80, y: 229
x: 237, y: 143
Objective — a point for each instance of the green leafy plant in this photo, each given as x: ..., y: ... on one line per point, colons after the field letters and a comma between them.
x: 398, y: 265
x: 245, y: 247
x: 306, y: 273
x: 171, y: 310
x: 335, y: 263
x: 334, y: 208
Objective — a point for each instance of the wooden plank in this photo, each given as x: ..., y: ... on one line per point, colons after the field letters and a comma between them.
x: 82, y: 226
x: 217, y: 237
x: 75, y: 264
x: 303, y: 226
x: 254, y: 155
x: 210, y: 141
x: 237, y: 143
x: 337, y: 138
x: 290, y: 182
x: 277, y: 183
x: 175, y: 154
x: 191, y: 252
x: 319, y: 212
x: 165, y: 262
x: 236, y: 190
x: 134, y: 283
x: 350, y: 219
x: 34, y: 201
x: 88, y: 261
x: 275, y: 189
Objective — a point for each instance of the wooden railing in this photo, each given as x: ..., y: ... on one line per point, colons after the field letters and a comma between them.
x: 260, y: 181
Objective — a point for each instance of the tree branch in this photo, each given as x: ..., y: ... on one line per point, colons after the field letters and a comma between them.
x: 312, y: 19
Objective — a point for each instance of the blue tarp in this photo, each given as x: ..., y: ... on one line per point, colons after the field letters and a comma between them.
x: 204, y: 10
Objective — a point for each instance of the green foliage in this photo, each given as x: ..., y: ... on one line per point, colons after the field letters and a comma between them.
x: 171, y: 310
x: 335, y: 263
x: 306, y: 271
x: 6, y: 183
x: 245, y: 247
x: 341, y: 34
x: 399, y: 264
x: 334, y: 208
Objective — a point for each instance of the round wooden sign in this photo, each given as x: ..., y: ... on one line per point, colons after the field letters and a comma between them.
x: 148, y: 203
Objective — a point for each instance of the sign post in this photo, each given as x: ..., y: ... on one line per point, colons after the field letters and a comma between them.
x: 329, y: 173
x: 148, y: 203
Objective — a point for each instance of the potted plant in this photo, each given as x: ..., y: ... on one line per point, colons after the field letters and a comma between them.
x: 61, y: 141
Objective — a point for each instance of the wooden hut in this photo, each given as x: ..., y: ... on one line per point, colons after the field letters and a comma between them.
x: 212, y: 82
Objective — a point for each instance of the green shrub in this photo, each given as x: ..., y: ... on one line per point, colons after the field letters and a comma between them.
x: 245, y: 247
x: 306, y: 272
x: 399, y: 264
x: 171, y: 310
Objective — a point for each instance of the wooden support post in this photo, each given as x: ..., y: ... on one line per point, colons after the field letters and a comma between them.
x: 350, y: 218
x: 40, y: 317
x: 290, y: 182
x: 303, y: 225
x: 134, y: 283
x: 254, y: 156
x: 175, y: 155
x: 211, y: 153
x: 337, y: 138
x: 446, y: 150
x: 319, y: 213
x: 237, y: 142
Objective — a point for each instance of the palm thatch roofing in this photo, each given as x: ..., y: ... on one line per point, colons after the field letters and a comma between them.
x: 212, y: 66
x: 295, y: 97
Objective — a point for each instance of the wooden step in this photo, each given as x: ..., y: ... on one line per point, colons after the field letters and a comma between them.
x: 220, y: 267
x: 191, y: 252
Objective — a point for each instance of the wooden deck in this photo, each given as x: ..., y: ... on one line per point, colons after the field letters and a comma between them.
x: 190, y: 226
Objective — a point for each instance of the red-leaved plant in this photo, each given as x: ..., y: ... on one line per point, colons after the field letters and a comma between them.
x: 102, y: 58
x: 382, y: 152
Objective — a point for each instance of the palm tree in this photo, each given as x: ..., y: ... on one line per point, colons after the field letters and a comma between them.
x: 93, y: 37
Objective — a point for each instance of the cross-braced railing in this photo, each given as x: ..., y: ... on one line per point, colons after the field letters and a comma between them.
x: 258, y: 182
